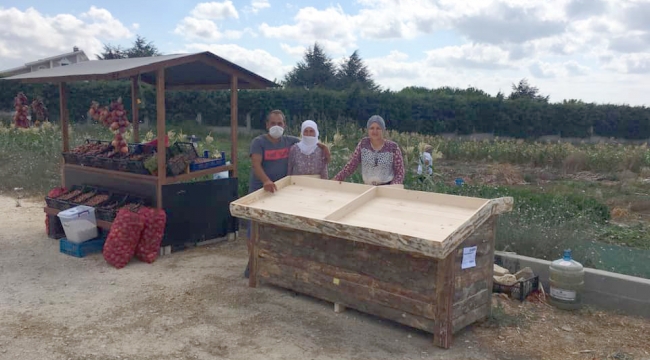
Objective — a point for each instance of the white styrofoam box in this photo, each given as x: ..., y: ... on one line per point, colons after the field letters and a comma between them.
x: 79, y: 223
x: 221, y: 175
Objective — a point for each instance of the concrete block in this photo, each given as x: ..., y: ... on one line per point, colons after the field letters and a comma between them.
x: 603, y: 289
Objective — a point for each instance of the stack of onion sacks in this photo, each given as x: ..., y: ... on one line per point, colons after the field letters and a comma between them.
x: 22, y: 110
x: 118, y: 124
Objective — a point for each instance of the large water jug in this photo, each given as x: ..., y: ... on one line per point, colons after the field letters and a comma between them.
x: 566, y: 278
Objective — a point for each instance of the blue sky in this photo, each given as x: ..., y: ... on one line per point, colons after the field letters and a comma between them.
x: 594, y: 50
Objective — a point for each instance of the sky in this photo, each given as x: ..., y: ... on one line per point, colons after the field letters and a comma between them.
x: 592, y: 50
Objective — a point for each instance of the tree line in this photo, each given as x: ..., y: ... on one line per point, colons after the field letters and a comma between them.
x: 319, y: 89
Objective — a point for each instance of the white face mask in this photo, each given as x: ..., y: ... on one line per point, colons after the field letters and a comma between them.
x: 309, y: 140
x: 276, y: 131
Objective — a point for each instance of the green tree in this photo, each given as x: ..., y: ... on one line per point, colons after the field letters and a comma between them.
x: 353, y: 72
x: 140, y: 48
x: 316, y: 70
x: 524, y: 90
x: 112, y: 52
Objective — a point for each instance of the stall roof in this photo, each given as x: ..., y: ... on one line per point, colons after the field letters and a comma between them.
x: 203, y: 70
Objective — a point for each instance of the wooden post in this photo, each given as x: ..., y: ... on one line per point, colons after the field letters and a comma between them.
x: 161, y: 132
x: 234, y: 125
x: 63, y: 111
x: 443, y: 327
x: 134, y: 109
x: 253, y: 251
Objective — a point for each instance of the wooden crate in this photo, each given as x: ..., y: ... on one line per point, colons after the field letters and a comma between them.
x: 386, y: 251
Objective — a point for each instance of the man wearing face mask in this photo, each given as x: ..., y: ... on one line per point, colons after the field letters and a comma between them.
x: 270, y: 156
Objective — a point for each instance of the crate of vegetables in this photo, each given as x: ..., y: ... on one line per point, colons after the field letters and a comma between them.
x: 62, y: 201
x: 207, y: 163
x: 89, y: 151
x: 184, y: 148
x: 108, y: 210
x: 77, y: 156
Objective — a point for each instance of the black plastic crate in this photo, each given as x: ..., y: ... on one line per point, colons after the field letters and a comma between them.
x: 520, y: 290
x: 105, y: 214
x: 57, y: 203
x: 185, y: 148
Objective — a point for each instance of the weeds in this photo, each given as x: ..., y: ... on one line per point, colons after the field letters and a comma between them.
x: 544, y: 221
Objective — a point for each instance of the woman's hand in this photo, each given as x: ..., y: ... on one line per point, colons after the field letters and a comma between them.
x: 270, y: 186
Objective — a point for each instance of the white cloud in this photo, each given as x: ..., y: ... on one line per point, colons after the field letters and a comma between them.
x: 135, y: 26
x: 258, y: 61
x: 29, y: 35
x: 258, y: 5
x: 198, y: 28
x: 294, y: 51
x: 331, y: 27
x: 215, y: 10
x: 544, y: 70
x: 469, y: 56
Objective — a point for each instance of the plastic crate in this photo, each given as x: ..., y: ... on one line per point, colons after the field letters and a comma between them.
x: 520, y: 290
x: 57, y: 203
x: 82, y: 249
x: 208, y: 164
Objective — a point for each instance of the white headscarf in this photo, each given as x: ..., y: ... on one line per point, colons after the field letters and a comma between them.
x: 308, y: 144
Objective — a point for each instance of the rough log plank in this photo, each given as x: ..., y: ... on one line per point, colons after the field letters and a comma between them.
x: 253, y: 250
x: 442, y: 336
x: 295, y: 281
x: 472, y: 303
x: 391, y: 239
x: 343, y: 274
x: 473, y: 316
x: 414, y: 272
x: 269, y: 268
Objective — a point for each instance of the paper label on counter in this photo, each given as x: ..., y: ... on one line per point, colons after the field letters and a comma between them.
x: 568, y: 295
x: 469, y: 258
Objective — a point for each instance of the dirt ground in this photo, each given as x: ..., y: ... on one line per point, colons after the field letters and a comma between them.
x: 195, y: 304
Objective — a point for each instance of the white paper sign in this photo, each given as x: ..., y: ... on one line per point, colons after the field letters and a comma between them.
x: 469, y: 258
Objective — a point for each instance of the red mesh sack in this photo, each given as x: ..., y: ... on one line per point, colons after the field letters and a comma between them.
x: 152, y: 234
x: 56, y: 192
x: 123, y: 238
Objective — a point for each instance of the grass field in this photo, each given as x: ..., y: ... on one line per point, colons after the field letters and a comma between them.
x: 594, y: 199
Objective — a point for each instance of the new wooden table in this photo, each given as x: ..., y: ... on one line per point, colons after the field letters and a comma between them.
x: 418, y: 258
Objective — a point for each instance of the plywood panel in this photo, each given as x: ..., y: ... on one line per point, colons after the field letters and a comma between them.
x: 304, y: 197
x: 413, y: 221
x: 429, y: 221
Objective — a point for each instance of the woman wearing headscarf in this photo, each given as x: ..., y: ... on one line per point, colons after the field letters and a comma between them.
x: 305, y: 157
x: 380, y: 159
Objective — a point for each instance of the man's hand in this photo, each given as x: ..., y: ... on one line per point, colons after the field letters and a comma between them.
x: 270, y: 186
x: 326, y: 152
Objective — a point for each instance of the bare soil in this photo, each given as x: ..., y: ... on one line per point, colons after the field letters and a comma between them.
x: 195, y: 304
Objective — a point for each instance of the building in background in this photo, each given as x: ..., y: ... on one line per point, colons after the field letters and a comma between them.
x: 59, y: 60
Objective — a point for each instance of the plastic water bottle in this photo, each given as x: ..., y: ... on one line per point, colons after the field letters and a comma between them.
x: 566, y: 277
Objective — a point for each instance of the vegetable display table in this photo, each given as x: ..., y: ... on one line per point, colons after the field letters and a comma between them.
x: 418, y: 258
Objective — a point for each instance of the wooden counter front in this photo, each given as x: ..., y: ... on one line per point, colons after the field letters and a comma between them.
x: 433, y: 295
x: 349, y: 245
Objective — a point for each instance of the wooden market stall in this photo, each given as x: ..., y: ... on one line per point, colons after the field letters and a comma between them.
x: 418, y: 258
x: 196, y: 211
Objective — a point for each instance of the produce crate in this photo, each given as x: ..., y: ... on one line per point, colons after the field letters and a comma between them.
x: 520, y: 290
x: 185, y: 148
x: 207, y: 163
x: 58, y: 203
x: 106, y: 214
x: 71, y: 158
x: 83, y: 249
